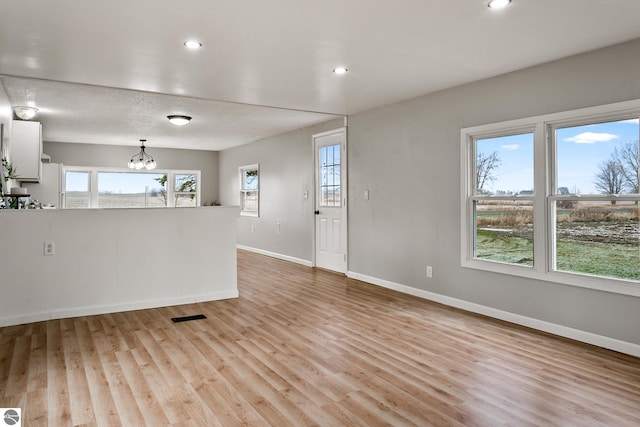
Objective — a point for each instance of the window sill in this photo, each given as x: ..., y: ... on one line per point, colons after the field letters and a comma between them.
x: 604, y: 284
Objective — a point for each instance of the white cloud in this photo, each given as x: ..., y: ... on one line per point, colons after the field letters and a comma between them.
x: 510, y: 147
x: 592, y: 137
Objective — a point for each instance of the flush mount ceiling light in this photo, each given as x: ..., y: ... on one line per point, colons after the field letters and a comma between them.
x: 340, y: 70
x: 192, y: 44
x: 178, y: 120
x: 25, y: 112
x: 142, y: 160
x: 498, y: 4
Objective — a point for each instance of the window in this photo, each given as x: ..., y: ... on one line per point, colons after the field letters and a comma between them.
x: 77, y: 194
x: 503, y: 198
x: 594, y: 203
x: 122, y: 188
x: 130, y: 190
x: 185, y: 189
x: 556, y: 198
x: 250, y: 190
x: 330, y: 194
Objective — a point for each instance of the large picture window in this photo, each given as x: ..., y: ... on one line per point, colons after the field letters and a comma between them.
x: 130, y: 190
x: 123, y: 188
x: 556, y: 197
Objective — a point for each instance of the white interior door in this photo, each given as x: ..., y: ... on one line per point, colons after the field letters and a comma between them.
x: 331, y: 200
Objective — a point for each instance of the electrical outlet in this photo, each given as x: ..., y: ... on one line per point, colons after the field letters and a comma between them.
x: 429, y: 271
x: 278, y: 226
x: 49, y: 248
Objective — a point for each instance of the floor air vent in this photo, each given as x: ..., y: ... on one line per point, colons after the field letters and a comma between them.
x: 187, y: 318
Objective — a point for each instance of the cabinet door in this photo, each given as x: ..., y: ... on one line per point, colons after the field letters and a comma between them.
x: 26, y: 150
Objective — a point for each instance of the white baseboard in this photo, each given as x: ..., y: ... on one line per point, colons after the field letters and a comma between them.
x: 25, y: 318
x: 276, y: 255
x: 115, y: 308
x: 541, y: 325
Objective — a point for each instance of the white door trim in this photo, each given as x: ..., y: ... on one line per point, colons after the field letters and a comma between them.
x: 344, y: 192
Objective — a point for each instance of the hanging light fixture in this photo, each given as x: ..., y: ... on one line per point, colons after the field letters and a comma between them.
x: 142, y: 160
x: 178, y: 120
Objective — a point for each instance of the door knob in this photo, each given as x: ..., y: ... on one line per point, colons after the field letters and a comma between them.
x: 317, y: 212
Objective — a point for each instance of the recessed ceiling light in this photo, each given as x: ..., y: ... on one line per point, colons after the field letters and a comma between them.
x: 498, y: 4
x: 178, y: 120
x: 193, y: 44
x: 340, y: 70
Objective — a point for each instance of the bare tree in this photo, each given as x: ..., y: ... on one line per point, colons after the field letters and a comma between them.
x: 628, y: 157
x: 610, y: 180
x: 485, y: 167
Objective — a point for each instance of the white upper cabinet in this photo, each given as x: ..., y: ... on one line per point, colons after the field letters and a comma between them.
x: 26, y: 150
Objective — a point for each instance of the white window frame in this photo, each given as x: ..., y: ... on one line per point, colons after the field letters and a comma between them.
x: 91, y: 180
x: 171, y: 195
x: 241, y: 170
x: 93, y: 183
x: 544, y: 199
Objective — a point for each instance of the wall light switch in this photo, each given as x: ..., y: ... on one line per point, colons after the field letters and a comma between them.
x: 306, y: 194
x: 366, y: 194
x: 49, y: 248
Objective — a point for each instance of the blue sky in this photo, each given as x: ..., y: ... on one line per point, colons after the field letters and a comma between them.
x: 580, y: 152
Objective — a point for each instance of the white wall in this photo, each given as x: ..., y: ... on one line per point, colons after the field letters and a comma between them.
x: 109, y: 260
x: 286, y: 172
x: 118, y: 156
x: 408, y: 156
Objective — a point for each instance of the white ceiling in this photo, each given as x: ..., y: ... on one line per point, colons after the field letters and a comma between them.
x: 72, y: 112
x: 125, y: 67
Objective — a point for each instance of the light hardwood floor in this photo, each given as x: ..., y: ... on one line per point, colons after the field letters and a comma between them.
x: 302, y: 347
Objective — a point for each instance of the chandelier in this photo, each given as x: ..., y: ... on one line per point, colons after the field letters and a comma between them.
x: 142, y: 160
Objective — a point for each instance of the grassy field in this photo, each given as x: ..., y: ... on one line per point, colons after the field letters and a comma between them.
x: 81, y: 201
x: 498, y: 245
x: 592, y: 238
x: 620, y: 261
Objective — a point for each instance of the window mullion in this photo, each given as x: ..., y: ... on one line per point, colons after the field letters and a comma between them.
x: 171, y: 185
x: 541, y: 185
x: 93, y: 188
x: 551, y: 186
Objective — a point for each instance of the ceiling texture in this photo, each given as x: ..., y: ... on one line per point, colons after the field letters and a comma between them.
x: 109, y: 72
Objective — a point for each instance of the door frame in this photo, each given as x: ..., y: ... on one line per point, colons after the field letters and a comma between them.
x: 343, y: 189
